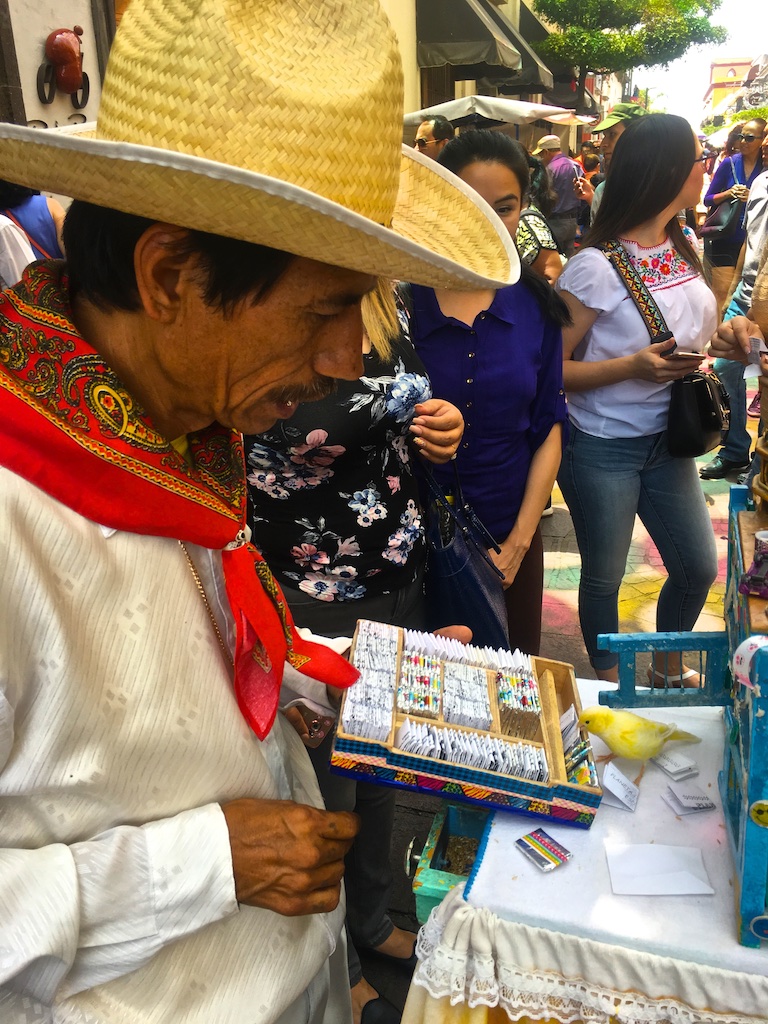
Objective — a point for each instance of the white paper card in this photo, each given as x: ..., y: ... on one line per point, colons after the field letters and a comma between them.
x: 756, y: 348
x: 676, y: 764
x: 618, y: 791
x: 686, y: 798
x: 655, y: 870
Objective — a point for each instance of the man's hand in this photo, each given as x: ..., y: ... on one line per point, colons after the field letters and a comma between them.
x: 461, y: 633
x: 731, y: 339
x: 288, y: 857
x: 584, y: 189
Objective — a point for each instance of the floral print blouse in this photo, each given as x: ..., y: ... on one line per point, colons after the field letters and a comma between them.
x: 533, y: 234
x: 333, y: 502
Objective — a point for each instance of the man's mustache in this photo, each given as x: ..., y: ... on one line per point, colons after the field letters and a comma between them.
x: 320, y: 387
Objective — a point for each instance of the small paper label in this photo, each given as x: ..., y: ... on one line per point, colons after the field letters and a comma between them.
x: 676, y: 764
x: 687, y: 798
x: 618, y: 791
x: 756, y: 349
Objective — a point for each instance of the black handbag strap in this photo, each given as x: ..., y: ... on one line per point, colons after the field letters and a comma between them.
x: 642, y: 298
x: 470, y: 516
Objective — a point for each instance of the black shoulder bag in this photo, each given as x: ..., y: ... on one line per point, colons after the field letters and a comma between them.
x: 699, y: 406
x: 462, y: 585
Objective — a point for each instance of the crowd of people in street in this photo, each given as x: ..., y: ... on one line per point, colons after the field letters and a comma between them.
x: 225, y: 374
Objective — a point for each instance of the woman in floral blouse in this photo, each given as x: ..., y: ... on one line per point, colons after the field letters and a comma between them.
x: 616, y: 464
x: 335, y: 511
x: 335, y: 505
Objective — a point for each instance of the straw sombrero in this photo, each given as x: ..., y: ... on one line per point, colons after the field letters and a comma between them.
x: 274, y: 121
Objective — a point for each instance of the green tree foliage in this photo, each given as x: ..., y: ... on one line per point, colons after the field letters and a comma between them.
x: 601, y: 36
x: 740, y: 117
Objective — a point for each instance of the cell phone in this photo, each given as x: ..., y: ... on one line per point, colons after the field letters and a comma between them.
x: 675, y: 352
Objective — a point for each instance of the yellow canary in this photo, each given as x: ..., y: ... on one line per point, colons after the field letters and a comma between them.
x: 628, y: 735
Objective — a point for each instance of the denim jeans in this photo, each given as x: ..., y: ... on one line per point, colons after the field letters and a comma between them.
x: 737, y: 440
x: 564, y: 230
x: 606, y: 482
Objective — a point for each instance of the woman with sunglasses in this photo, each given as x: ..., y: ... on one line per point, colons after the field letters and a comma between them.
x: 732, y: 180
x: 616, y: 464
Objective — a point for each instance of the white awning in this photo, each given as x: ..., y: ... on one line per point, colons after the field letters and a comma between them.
x: 492, y: 108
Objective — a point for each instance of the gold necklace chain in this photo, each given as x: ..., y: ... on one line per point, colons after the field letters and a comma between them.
x: 201, y: 590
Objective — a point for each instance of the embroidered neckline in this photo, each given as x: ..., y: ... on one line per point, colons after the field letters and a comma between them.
x: 660, y: 266
x: 646, y: 248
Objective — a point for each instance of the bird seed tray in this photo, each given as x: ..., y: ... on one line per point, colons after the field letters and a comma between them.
x: 461, y: 722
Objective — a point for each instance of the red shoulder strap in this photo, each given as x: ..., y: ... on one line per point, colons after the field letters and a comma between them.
x: 29, y: 238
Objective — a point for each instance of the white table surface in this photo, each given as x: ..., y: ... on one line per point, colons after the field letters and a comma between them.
x: 568, y: 922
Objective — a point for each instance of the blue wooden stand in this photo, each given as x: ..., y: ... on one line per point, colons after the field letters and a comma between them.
x: 743, y: 781
x: 744, y: 778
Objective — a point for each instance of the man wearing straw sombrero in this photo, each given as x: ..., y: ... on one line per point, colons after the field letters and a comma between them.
x: 164, y: 854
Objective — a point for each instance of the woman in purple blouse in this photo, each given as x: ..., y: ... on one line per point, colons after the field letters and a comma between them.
x: 497, y: 357
x: 732, y: 181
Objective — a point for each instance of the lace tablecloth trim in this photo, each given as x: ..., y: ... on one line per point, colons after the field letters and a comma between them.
x: 481, y: 977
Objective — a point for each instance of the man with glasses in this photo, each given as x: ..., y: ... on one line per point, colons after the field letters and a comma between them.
x: 611, y: 128
x: 432, y: 135
x: 562, y: 172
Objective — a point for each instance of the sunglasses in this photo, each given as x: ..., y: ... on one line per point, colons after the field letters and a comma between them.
x: 747, y: 138
x: 700, y: 159
x: 423, y: 143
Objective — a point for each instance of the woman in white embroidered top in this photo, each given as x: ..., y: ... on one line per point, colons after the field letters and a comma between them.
x: 617, y: 464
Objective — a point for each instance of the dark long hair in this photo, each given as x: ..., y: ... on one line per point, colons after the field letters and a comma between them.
x: 650, y: 164
x: 100, y: 244
x: 11, y: 195
x: 488, y: 147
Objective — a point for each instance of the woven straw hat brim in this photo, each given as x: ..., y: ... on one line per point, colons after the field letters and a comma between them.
x: 443, y: 234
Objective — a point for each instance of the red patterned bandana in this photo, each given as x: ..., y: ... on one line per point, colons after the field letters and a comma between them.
x: 65, y: 418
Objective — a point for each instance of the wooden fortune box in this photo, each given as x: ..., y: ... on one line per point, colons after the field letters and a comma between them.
x: 465, y: 723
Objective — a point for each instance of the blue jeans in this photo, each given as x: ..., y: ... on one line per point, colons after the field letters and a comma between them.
x: 606, y: 482
x: 737, y: 440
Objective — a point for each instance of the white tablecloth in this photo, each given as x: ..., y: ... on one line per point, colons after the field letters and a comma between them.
x: 561, y: 944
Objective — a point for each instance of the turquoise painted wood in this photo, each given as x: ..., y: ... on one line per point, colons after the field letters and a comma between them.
x: 431, y: 881
x: 743, y: 780
x: 711, y: 661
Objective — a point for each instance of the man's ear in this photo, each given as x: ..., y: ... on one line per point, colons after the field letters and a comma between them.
x: 161, y: 270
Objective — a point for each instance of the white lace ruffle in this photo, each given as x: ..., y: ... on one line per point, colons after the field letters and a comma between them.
x: 463, y: 962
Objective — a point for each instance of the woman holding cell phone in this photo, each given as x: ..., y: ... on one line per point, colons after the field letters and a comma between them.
x: 616, y: 464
